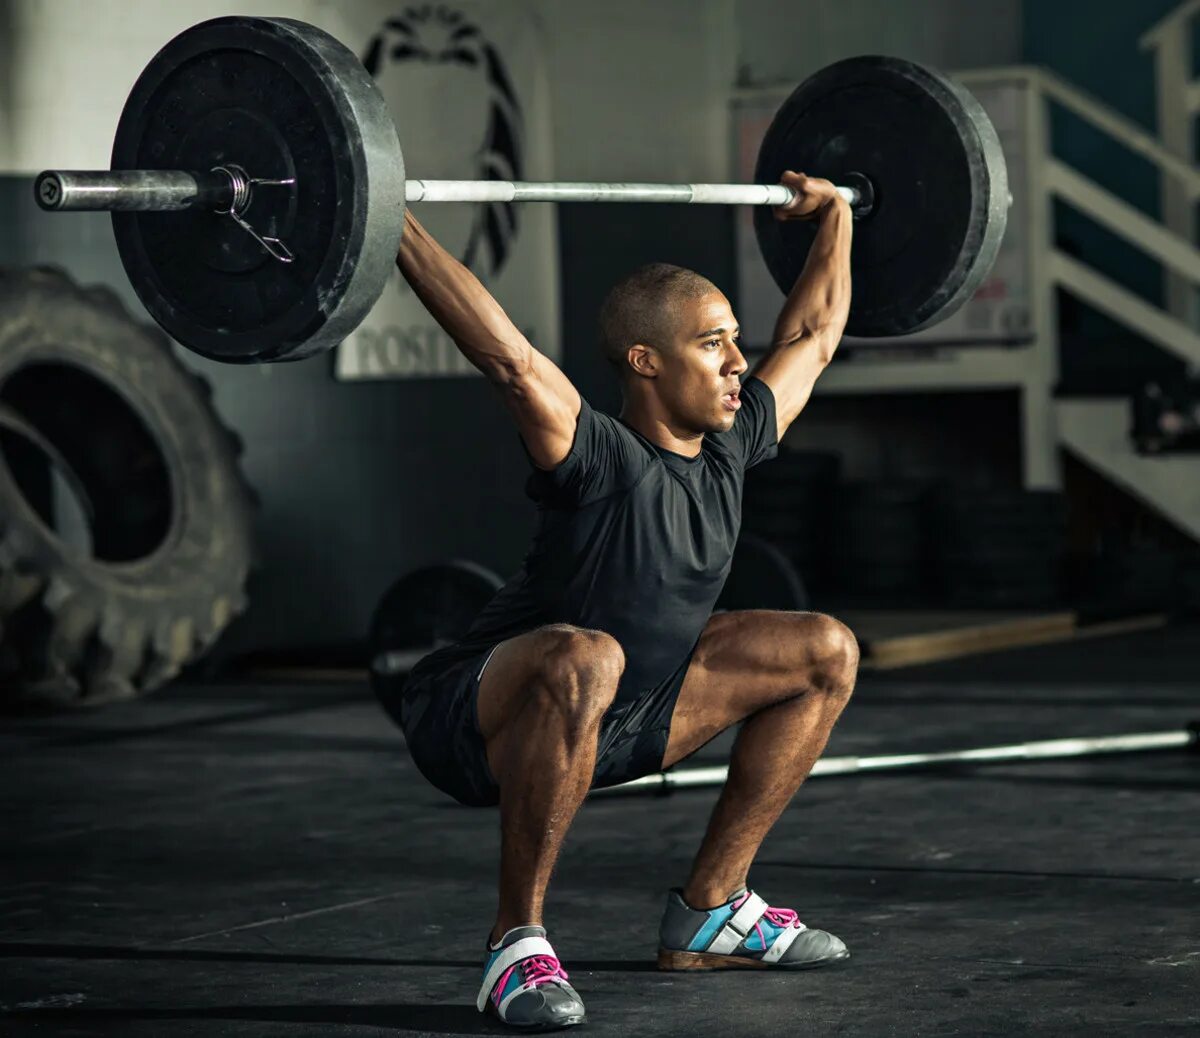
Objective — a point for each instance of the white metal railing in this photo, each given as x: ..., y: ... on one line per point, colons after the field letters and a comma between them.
x: 1171, y: 26
x: 1119, y: 216
x: 1168, y: 328
x: 1178, y: 101
x: 1048, y: 178
x: 1124, y: 129
x: 1098, y: 430
x: 1125, y: 307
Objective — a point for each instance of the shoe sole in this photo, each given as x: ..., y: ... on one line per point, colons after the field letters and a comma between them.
x: 681, y: 960
x: 557, y: 1025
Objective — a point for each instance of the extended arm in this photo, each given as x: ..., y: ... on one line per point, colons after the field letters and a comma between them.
x: 540, y: 397
x: 812, y: 320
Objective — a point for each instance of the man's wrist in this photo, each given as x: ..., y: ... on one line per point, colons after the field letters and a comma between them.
x: 837, y: 204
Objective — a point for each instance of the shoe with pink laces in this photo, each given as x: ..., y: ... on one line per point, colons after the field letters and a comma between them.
x: 525, y: 985
x: 743, y: 933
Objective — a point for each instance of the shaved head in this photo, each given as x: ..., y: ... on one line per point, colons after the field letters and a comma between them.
x: 644, y: 308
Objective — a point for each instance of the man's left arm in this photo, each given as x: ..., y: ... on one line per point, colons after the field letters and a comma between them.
x: 811, y: 323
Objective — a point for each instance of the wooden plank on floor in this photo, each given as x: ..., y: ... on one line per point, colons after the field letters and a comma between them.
x: 903, y: 638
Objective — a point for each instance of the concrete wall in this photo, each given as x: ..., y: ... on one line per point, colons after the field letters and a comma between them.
x: 362, y: 482
x: 786, y: 42
x: 639, y: 88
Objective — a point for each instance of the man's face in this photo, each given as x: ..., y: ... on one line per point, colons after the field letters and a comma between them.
x: 698, y: 383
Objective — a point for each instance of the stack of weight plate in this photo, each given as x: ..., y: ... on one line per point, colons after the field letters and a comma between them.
x: 787, y: 502
x: 999, y: 548
x: 880, y: 542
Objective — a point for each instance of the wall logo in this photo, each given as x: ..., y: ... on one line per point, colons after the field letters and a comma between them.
x: 468, y: 86
x: 471, y: 128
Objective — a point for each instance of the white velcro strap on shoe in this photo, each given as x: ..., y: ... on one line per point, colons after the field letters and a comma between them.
x: 511, y: 955
x: 782, y: 943
x: 740, y: 923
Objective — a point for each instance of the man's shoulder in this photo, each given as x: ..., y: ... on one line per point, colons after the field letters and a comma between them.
x: 611, y: 426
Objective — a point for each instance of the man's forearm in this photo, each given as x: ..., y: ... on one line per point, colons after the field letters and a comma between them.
x: 461, y: 305
x: 819, y: 302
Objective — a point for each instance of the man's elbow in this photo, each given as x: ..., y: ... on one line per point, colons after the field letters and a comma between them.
x: 829, y: 345
x: 506, y: 365
x: 828, y: 335
x: 819, y: 341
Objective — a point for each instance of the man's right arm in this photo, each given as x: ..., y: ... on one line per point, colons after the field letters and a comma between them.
x: 541, y: 398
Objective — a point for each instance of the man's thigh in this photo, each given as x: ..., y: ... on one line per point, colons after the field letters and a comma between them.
x: 746, y: 660
x: 555, y: 654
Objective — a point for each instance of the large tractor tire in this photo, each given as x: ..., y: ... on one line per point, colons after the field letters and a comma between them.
x: 125, y: 523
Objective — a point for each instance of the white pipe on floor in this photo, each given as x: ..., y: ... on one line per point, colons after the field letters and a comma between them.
x: 1047, y: 749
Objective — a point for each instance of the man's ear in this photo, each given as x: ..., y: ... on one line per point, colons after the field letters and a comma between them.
x: 644, y: 360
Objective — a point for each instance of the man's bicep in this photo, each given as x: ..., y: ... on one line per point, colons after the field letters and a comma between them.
x: 545, y: 406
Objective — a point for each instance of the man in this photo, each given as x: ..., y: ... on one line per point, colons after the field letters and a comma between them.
x: 600, y: 661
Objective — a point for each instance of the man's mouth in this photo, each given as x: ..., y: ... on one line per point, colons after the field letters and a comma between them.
x: 731, y: 401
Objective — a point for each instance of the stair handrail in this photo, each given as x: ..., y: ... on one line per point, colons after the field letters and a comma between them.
x: 1185, y: 12
x: 1124, y: 129
x: 1152, y: 237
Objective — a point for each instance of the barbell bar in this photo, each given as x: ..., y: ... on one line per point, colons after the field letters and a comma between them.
x: 1046, y: 749
x: 151, y: 191
x: 258, y: 189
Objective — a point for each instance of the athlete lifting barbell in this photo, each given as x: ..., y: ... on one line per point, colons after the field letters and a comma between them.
x: 259, y: 203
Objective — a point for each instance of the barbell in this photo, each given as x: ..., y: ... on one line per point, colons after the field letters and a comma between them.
x: 258, y: 189
x: 1187, y: 737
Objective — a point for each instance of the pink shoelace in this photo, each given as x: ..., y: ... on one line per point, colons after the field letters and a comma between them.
x: 537, y: 969
x: 781, y: 917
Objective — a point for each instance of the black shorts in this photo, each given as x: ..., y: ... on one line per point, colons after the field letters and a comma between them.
x: 437, y: 708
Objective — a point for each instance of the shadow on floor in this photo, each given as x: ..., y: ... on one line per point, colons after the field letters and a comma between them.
x: 438, y: 1019
x: 33, y: 950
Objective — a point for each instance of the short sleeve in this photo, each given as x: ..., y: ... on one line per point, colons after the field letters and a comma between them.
x: 605, y: 457
x: 754, y: 435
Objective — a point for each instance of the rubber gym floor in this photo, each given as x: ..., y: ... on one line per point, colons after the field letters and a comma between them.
x: 263, y: 859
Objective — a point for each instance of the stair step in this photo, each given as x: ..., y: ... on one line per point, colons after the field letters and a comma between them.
x: 1097, y: 431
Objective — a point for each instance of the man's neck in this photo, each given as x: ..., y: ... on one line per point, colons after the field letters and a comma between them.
x: 653, y: 425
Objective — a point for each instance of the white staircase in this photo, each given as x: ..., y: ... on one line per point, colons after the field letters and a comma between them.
x: 1097, y: 431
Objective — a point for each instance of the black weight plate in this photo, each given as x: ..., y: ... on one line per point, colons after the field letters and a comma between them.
x: 431, y: 607
x: 761, y: 577
x: 281, y: 99
x: 941, y: 188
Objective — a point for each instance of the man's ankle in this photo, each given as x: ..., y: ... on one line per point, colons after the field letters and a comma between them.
x: 705, y: 899
x: 500, y: 929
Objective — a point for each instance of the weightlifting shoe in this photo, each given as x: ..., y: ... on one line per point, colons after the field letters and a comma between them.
x: 525, y: 986
x: 743, y: 933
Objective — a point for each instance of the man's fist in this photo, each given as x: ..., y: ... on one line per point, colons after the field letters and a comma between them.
x: 812, y: 196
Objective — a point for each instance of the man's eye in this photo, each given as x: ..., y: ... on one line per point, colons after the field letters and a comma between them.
x: 713, y: 342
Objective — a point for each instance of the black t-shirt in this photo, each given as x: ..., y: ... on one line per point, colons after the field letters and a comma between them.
x: 633, y: 539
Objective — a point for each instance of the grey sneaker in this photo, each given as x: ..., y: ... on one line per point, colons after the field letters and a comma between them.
x: 525, y: 986
x: 743, y: 933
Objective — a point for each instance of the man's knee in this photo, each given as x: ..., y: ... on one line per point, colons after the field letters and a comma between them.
x: 834, y: 655
x: 577, y: 671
